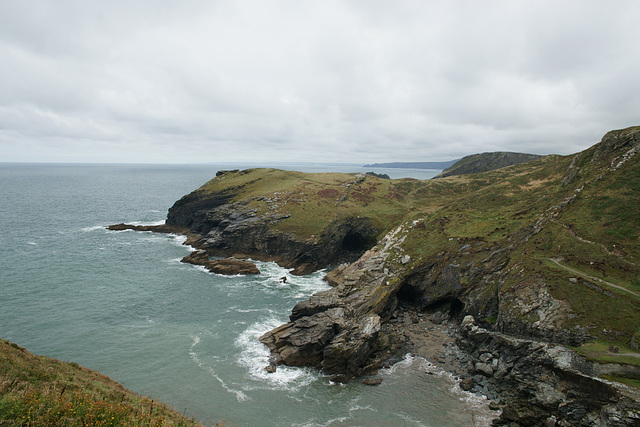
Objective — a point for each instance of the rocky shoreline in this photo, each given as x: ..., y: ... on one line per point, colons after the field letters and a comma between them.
x: 471, y: 287
x: 229, y: 266
x: 528, y: 382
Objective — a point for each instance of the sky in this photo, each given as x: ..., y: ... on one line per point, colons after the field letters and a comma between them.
x: 352, y: 81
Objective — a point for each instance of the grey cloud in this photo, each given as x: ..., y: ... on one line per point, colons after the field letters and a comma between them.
x: 356, y: 81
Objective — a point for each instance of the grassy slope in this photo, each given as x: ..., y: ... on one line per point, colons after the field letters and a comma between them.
x: 37, y: 390
x: 597, y: 234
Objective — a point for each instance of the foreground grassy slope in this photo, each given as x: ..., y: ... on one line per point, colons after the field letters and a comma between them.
x: 37, y: 390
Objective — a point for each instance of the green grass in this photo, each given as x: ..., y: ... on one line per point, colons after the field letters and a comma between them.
x: 599, y: 351
x: 37, y: 390
x: 628, y: 381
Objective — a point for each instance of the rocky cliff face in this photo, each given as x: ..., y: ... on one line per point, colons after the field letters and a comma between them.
x: 546, y: 384
x: 226, y: 223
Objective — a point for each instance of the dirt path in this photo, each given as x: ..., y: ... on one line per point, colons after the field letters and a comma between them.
x: 612, y: 285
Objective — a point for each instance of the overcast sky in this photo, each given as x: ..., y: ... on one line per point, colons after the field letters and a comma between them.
x: 323, y: 80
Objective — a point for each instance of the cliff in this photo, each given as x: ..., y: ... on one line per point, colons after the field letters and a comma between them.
x: 539, y: 258
x: 486, y: 162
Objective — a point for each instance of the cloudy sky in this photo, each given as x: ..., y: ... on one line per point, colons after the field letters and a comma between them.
x: 353, y: 81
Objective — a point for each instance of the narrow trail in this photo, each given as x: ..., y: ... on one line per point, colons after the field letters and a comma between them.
x: 583, y: 240
x: 612, y: 285
x: 628, y: 354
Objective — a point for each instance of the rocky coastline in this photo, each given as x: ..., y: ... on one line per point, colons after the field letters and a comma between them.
x: 474, y: 287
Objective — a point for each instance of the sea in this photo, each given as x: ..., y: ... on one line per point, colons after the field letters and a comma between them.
x: 122, y: 303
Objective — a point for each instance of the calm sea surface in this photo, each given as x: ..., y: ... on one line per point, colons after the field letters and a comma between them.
x: 121, y: 303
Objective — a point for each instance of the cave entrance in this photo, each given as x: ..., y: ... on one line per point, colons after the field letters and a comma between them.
x: 450, y: 307
x: 447, y: 308
x: 354, y: 242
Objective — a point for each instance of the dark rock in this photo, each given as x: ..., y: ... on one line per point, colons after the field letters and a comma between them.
x: 484, y: 369
x: 372, y: 381
x: 232, y: 266
x: 162, y: 228
x: 226, y: 228
x: 198, y: 257
x: 379, y: 175
x: 571, y: 390
x: 466, y: 384
x: 227, y: 266
x: 302, y: 342
x: 495, y: 406
x: 271, y: 368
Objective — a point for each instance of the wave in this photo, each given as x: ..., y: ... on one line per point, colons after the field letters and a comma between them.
x: 339, y: 420
x: 93, y: 228
x: 254, y: 356
x: 240, y: 395
x: 477, y: 405
x: 279, y: 279
x: 158, y: 222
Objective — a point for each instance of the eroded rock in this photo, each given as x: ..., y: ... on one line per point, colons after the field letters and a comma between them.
x: 227, y: 266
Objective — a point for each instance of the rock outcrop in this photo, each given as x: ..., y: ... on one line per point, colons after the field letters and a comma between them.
x: 337, y: 329
x: 227, y: 266
x: 545, y: 383
x: 498, y: 280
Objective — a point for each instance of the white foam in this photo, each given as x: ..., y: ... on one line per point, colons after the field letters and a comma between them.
x: 411, y: 420
x: 32, y: 243
x: 159, y: 222
x: 179, y: 239
x: 236, y: 309
x: 478, y: 405
x: 298, y: 286
x: 311, y: 423
x: 94, y: 228
x: 254, y: 356
x: 240, y: 396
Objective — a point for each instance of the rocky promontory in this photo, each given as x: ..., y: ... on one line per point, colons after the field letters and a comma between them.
x: 531, y: 271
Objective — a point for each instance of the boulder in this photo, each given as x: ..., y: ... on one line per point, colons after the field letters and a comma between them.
x: 466, y: 384
x: 232, y: 266
x: 301, y: 342
x: 226, y: 266
x: 372, y: 381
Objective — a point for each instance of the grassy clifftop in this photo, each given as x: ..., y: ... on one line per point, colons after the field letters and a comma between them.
x: 38, y: 390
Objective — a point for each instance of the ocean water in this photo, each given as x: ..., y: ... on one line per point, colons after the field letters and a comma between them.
x: 121, y: 303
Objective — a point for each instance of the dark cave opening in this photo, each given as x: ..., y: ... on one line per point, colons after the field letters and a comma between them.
x: 447, y: 307
x: 354, y: 242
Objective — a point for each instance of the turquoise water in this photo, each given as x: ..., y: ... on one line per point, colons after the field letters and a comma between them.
x: 121, y: 303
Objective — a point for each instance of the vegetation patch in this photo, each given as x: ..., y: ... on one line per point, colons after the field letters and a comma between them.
x: 605, y: 351
x: 37, y: 390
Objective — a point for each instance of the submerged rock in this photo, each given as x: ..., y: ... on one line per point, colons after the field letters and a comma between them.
x: 372, y: 381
